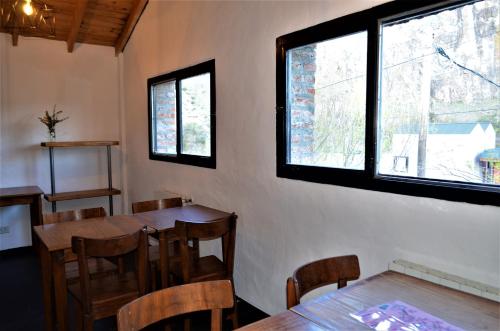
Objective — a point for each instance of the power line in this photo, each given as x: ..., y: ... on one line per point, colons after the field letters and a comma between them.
x: 404, y: 62
x: 441, y: 52
x: 466, y: 112
x: 446, y: 45
x: 398, y: 116
x: 384, y: 68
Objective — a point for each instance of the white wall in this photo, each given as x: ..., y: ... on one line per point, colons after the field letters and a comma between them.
x: 282, y: 223
x: 35, y: 75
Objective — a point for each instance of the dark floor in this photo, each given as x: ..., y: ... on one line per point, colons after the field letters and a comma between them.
x: 21, y: 306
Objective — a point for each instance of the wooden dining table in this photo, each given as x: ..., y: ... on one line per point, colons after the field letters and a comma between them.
x: 335, y: 310
x: 24, y: 195
x: 56, y: 241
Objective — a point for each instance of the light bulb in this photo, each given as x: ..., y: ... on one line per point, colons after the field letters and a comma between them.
x: 28, y: 8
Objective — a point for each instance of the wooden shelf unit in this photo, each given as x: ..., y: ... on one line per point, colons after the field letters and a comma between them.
x: 53, y: 197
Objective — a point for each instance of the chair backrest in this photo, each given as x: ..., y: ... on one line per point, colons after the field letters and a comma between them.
x: 224, y: 228
x: 92, y: 213
x: 177, y: 300
x: 59, y: 217
x: 144, y: 206
x: 108, y: 248
x: 73, y: 215
x: 319, y: 273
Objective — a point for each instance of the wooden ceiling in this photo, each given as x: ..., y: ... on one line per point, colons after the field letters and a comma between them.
x: 99, y: 22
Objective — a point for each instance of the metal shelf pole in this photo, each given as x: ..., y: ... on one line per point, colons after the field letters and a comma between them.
x: 110, y: 181
x: 52, y: 178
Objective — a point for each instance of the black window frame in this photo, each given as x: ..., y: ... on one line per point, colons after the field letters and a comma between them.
x: 369, y: 20
x: 177, y: 76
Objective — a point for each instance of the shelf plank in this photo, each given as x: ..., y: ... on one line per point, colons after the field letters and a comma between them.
x: 79, y: 143
x: 81, y: 194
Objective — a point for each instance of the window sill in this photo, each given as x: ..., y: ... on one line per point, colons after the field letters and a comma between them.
x: 443, y: 190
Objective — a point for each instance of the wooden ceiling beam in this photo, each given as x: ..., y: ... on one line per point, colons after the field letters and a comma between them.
x: 81, y: 5
x: 15, y: 31
x: 15, y: 37
x: 132, y: 20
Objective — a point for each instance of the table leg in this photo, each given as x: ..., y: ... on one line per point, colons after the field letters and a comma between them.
x: 164, y: 259
x: 46, y: 264
x: 61, y: 292
x: 36, y: 218
x: 164, y: 267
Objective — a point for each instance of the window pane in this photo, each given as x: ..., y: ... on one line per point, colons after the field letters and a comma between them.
x: 164, y: 125
x: 326, y: 94
x: 440, y: 96
x: 196, y: 115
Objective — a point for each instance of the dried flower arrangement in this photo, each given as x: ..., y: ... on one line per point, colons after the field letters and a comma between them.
x: 51, y: 120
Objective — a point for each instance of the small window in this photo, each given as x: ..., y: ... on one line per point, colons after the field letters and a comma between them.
x: 326, y: 106
x: 182, y: 116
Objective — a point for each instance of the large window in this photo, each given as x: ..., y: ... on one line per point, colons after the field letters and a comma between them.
x: 181, y: 116
x: 403, y: 98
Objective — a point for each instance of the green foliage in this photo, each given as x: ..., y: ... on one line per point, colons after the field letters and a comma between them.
x: 50, y: 120
x: 194, y: 137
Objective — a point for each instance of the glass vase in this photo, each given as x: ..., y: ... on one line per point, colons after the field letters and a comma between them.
x: 51, y: 135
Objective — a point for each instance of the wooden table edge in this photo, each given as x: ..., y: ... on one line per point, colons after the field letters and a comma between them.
x: 146, y: 222
x: 255, y: 324
x: 28, y: 191
x: 53, y: 248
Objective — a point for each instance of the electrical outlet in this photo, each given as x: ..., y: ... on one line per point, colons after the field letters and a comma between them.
x: 4, y: 229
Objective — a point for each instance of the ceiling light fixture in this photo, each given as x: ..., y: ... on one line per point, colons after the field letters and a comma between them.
x: 28, y: 8
x: 27, y: 18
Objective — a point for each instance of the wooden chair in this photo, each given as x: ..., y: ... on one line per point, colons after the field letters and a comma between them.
x: 97, y: 267
x: 192, y: 270
x: 154, y: 249
x: 320, y: 273
x: 102, y: 297
x: 177, y: 300
x: 150, y: 205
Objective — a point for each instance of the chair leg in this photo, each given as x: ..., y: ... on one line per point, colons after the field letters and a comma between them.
x: 196, y: 249
x: 154, y: 271
x: 234, y: 316
x: 79, y: 317
x: 187, y: 324
x: 120, y: 263
x: 234, y: 313
x: 88, y: 323
x: 216, y: 320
